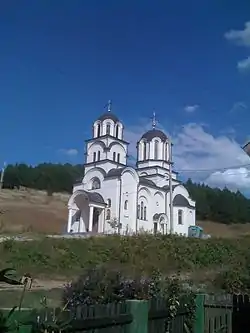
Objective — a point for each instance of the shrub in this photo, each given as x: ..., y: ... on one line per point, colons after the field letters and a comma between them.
x: 100, y: 286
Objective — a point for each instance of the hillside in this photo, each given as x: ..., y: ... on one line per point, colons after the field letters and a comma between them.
x: 222, y: 263
x: 45, y: 211
x: 33, y: 211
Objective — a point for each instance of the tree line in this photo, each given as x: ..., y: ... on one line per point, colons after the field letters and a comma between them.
x: 211, y: 203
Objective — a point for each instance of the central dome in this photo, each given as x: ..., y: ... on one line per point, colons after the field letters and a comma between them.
x: 108, y: 115
x: 154, y: 133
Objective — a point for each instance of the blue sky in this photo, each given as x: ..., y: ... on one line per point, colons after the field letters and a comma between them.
x: 60, y: 62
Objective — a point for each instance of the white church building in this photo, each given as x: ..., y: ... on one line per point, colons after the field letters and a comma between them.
x: 113, y: 197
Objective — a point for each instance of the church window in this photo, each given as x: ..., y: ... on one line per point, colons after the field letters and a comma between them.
x: 114, y: 156
x: 145, y: 213
x: 180, y: 216
x: 96, y: 184
x: 126, y: 204
x: 144, y: 150
x: 98, y: 155
x: 156, y: 150
x: 108, y: 214
x: 109, y: 202
x: 118, y: 157
x: 108, y: 128
x: 117, y: 131
x: 138, y: 211
x: 94, y: 157
x: 98, y: 130
x: 166, y: 158
x: 141, y: 217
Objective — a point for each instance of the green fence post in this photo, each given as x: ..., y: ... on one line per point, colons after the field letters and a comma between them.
x: 139, y: 311
x: 199, y: 324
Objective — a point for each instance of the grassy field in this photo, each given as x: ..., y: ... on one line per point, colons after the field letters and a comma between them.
x: 210, y: 261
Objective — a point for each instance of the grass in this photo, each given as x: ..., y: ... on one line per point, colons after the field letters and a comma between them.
x: 32, y: 299
x: 139, y: 254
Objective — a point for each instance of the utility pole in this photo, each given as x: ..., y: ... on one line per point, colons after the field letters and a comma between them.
x: 170, y: 187
x: 2, y: 176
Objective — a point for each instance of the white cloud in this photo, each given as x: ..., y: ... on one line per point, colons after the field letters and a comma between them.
x: 69, y: 152
x: 240, y: 37
x: 233, y: 178
x: 204, y: 157
x: 244, y: 65
x: 191, y: 108
x: 238, y: 106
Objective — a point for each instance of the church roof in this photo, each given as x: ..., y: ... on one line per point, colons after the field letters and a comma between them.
x: 145, y: 181
x: 115, y: 172
x: 108, y: 115
x: 181, y: 201
x: 153, y: 133
x: 95, y: 197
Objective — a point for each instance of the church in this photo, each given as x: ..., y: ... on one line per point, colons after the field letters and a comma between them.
x: 114, y: 197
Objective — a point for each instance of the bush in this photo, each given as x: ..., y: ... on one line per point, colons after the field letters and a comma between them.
x: 101, y: 286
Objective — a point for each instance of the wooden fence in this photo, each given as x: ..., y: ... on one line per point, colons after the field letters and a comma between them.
x: 128, y: 317
x: 214, y: 314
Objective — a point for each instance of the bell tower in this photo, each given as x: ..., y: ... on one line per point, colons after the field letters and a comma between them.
x: 107, y: 149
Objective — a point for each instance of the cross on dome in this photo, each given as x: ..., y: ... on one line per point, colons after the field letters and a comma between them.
x: 154, y: 120
x: 109, y: 105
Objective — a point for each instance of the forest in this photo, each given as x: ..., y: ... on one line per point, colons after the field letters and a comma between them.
x: 211, y: 203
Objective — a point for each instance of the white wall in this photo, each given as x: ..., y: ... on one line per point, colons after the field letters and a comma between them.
x: 129, y: 183
x: 189, y: 217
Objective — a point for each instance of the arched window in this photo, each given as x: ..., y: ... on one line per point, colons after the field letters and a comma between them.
x: 109, y: 202
x: 116, y: 131
x: 144, y: 150
x: 141, y: 217
x: 126, y: 205
x: 108, y: 128
x: 98, y: 155
x: 145, y: 213
x: 118, y: 157
x: 98, y: 130
x: 156, y: 150
x: 94, y: 156
x: 138, y: 211
x: 180, y: 216
x: 96, y: 184
x: 108, y: 214
x: 114, y: 156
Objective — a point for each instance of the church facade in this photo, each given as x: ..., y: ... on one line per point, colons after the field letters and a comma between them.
x: 113, y: 197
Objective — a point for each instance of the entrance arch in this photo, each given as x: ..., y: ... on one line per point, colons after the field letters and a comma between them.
x: 86, y: 212
x: 160, y: 223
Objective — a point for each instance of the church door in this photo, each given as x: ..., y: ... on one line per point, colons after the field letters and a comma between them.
x: 95, y: 220
x: 155, y: 228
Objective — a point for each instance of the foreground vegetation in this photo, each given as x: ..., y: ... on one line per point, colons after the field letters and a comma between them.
x: 98, y: 299
x: 211, y: 204
x: 224, y: 263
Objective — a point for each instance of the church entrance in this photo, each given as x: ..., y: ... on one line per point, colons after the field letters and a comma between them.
x: 155, y: 228
x: 86, y: 213
x: 96, y: 216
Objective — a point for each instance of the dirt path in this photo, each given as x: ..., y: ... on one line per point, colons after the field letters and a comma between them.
x: 37, y: 285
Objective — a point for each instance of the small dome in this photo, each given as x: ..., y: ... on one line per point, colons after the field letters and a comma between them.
x: 108, y: 115
x: 149, y: 135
